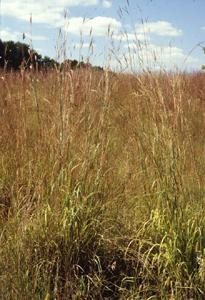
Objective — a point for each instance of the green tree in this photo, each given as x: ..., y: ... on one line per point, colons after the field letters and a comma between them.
x: 14, y: 56
x: 203, y: 66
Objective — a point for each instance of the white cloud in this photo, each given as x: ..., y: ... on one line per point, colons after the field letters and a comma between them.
x: 130, y: 37
x: 84, y: 45
x: 203, y: 28
x: 36, y: 37
x: 155, y: 57
x: 106, y: 4
x: 51, y: 12
x: 43, y: 11
x: 142, y: 31
x: 161, y: 28
x: 98, y: 26
x: 7, y: 34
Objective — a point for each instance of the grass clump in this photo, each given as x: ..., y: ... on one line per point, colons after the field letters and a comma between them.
x: 102, y: 185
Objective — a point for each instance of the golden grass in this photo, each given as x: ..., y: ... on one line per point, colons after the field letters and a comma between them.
x: 102, y: 185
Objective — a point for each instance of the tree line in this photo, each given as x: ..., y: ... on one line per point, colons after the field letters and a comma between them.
x: 17, y: 55
x: 203, y: 66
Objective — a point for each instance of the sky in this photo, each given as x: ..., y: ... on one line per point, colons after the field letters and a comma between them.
x: 121, y: 34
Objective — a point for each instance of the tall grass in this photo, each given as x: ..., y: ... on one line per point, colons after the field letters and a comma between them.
x: 102, y: 185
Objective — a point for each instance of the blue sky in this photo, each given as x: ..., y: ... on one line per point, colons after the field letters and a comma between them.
x: 158, y: 33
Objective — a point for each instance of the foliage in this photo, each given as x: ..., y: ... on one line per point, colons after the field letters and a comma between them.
x: 15, y: 56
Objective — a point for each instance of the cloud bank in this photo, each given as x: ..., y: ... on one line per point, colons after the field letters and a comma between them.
x: 43, y: 11
x: 7, y: 34
x: 98, y: 26
x: 161, y: 28
x: 156, y: 57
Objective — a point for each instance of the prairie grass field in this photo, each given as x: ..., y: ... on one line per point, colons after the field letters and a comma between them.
x: 102, y: 186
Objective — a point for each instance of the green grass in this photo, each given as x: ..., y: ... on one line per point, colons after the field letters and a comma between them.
x: 102, y: 186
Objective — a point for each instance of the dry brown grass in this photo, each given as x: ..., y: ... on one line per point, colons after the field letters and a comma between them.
x: 102, y: 185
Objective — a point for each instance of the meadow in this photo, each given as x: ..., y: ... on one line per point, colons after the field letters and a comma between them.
x: 102, y: 185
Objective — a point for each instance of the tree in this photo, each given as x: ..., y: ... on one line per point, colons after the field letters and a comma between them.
x: 47, y: 63
x: 14, y: 56
x: 1, y: 54
x: 203, y: 66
